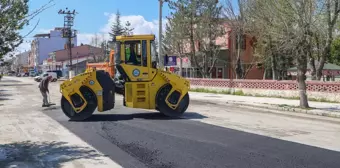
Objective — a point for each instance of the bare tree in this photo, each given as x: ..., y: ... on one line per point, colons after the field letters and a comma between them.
x: 236, y: 21
x: 288, y: 22
x: 324, y: 37
x: 98, y: 41
x: 210, y: 27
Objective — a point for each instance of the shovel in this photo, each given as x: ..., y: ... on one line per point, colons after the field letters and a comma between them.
x: 49, y: 100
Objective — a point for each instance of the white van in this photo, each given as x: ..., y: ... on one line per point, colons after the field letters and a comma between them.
x: 53, y: 74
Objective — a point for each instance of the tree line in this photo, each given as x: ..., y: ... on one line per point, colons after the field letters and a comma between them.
x: 283, y: 33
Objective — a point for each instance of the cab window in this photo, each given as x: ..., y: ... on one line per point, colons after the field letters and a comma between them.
x: 132, y: 54
x: 153, y: 54
x: 135, y: 53
x: 144, y: 54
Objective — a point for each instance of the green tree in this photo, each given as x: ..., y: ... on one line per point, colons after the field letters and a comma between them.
x: 186, y: 14
x: 118, y: 28
x: 14, y: 16
x: 174, y: 37
x: 195, y: 22
x: 335, y: 52
x: 127, y: 29
x: 324, y: 26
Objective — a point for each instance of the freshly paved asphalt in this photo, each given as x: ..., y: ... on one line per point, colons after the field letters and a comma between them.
x: 137, y: 138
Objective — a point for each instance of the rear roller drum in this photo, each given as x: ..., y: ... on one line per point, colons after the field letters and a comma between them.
x: 164, y: 108
x: 86, y: 112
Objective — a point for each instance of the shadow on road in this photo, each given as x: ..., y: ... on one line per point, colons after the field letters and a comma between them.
x: 16, y: 84
x: 42, y: 154
x: 147, y: 116
x: 4, y: 96
x: 8, y: 80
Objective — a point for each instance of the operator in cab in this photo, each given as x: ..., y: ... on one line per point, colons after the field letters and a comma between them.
x: 132, y: 56
x: 43, y: 86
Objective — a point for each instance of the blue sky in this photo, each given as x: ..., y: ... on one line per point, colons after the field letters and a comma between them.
x: 91, y: 13
x: 96, y: 17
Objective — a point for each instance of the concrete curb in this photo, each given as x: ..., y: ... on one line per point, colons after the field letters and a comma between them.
x: 291, y: 109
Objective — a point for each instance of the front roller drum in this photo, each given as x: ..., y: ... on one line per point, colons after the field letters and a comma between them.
x: 164, y: 108
x: 86, y: 112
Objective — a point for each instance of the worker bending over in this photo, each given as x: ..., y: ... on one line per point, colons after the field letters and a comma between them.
x: 44, y: 89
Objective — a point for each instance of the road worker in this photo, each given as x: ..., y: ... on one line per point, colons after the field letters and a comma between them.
x: 43, y: 86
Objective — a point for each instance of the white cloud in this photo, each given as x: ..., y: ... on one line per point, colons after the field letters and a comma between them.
x: 106, y: 13
x: 138, y: 22
x: 84, y: 38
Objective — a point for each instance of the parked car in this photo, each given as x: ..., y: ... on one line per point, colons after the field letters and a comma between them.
x: 33, y: 74
x: 23, y: 74
x: 53, y: 74
x: 26, y: 74
x: 11, y: 73
x: 59, y: 73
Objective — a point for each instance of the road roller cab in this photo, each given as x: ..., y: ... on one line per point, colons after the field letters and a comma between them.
x: 145, y: 86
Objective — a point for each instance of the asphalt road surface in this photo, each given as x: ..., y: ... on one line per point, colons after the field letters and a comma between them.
x: 140, y: 138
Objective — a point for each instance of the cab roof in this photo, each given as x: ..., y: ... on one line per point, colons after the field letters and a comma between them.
x: 135, y: 37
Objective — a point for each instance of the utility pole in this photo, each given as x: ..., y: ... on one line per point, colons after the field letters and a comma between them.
x: 160, y: 54
x: 69, y: 33
x: 160, y: 57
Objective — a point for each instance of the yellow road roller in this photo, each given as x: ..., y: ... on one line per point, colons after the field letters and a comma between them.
x: 145, y: 85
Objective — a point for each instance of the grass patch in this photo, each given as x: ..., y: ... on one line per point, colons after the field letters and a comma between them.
x: 228, y: 92
x: 241, y: 93
x: 290, y: 106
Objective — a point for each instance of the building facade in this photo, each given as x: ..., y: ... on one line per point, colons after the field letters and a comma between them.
x: 20, y: 62
x: 225, y: 60
x: 43, y: 44
x: 59, y: 60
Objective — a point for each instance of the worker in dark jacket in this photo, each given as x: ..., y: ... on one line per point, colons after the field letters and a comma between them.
x: 44, y: 89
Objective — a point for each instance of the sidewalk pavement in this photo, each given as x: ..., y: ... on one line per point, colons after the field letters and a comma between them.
x: 317, y: 108
x: 29, y: 138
